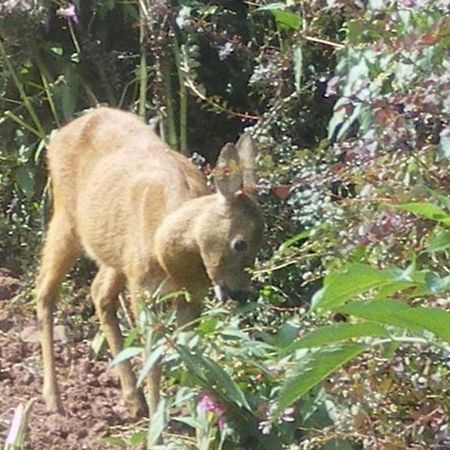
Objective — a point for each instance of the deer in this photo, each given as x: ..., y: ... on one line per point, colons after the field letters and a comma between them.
x: 144, y: 214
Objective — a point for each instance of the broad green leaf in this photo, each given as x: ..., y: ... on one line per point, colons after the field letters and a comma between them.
x: 439, y: 242
x: 298, y: 67
x: 333, y: 334
x: 426, y: 210
x: 343, y: 286
x: 287, y: 20
x: 155, y: 357
x: 224, y: 382
x: 212, y: 376
x: 396, y: 313
x: 286, y: 334
x: 125, y: 354
x: 157, y: 424
x: 312, y: 369
x: 69, y: 91
x: 25, y: 180
x: 397, y: 286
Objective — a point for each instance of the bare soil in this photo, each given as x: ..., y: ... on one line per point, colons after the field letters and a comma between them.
x: 89, y: 389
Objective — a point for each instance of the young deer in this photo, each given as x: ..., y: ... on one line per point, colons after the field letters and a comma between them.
x: 142, y: 212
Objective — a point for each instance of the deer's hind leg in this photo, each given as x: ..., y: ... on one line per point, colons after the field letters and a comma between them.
x: 105, y: 290
x: 61, y: 250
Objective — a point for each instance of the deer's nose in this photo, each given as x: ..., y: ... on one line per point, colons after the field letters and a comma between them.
x: 223, y: 293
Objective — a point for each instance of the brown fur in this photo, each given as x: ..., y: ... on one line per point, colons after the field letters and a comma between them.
x: 142, y: 212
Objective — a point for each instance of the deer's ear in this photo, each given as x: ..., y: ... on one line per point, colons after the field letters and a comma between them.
x: 246, y: 149
x: 228, y: 176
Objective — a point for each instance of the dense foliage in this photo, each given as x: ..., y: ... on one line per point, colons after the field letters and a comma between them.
x: 350, y: 105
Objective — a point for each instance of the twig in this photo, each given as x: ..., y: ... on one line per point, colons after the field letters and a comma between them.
x: 324, y: 42
x: 195, y: 90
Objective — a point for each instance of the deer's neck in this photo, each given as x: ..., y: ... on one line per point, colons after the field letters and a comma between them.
x: 176, y: 245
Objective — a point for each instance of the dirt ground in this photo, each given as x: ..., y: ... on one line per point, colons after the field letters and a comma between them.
x: 90, y: 391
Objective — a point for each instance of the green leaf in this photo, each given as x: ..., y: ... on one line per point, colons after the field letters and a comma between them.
x: 426, y: 210
x: 69, y: 91
x: 276, y: 6
x: 435, y: 283
x: 157, y: 424
x: 442, y: 198
x: 287, y: 20
x: 355, y: 29
x: 396, y: 313
x: 312, y: 369
x: 58, y: 51
x: 298, y: 237
x: 125, y: 354
x: 212, y: 376
x: 286, y: 334
x: 343, y: 286
x: 138, y: 437
x: 332, y: 334
x: 154, y: 358
x: 118, y: 442
x: 439, y: 242
x: 189, y: 421
x: 24, y: 177
x: 208, y: 326
x: 298, y: 67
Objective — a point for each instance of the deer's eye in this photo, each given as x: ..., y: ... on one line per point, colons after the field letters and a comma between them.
x: 240, y: 245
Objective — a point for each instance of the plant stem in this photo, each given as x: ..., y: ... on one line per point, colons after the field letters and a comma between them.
x: 22, y: 93
x: 19, y: 121
x: 182, y: 95
x: 143, y: 72
x: 165, y: 67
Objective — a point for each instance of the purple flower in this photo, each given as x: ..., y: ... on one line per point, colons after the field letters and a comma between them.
x: 69, y: 12
x: 209, y: 403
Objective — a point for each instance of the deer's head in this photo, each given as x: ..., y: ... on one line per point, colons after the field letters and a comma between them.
x: 222, y: 232
x: 230, y: 233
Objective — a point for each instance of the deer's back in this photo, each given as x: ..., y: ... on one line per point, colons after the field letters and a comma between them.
x: 116, y: 181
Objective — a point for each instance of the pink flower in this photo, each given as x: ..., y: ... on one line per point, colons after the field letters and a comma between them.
x: 209, y: 403
x: 69, y: 12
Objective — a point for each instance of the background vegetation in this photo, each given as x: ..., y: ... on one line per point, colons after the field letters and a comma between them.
x: 347, y: 345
